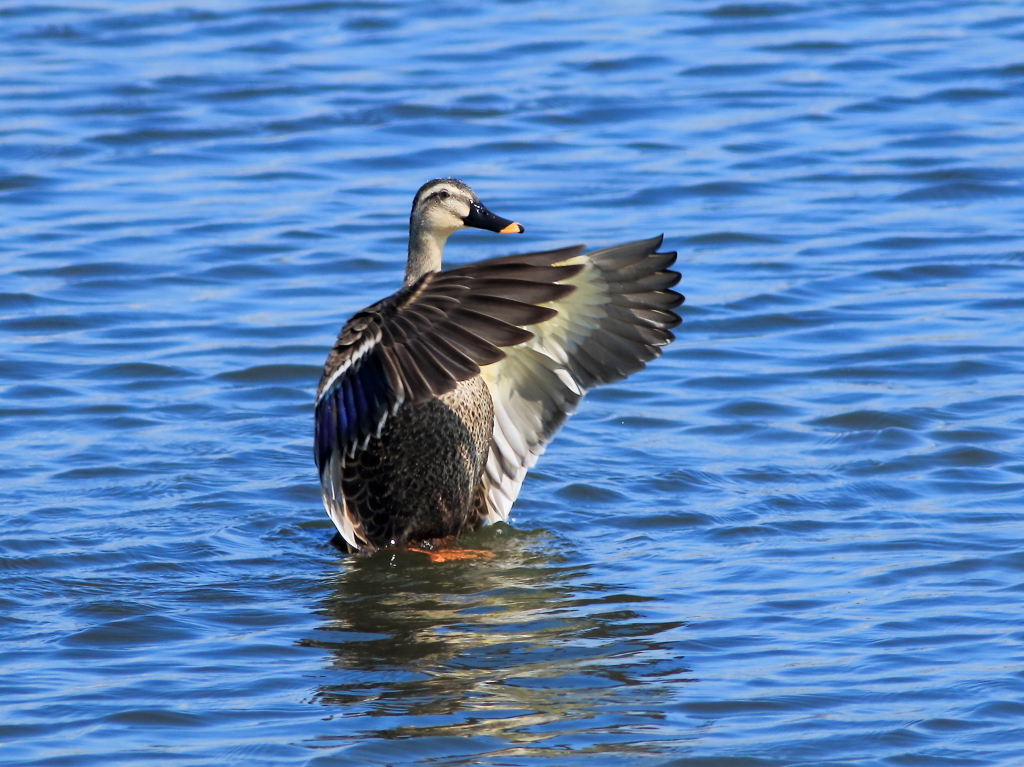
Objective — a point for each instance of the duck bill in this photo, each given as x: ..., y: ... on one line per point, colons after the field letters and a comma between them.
x: 481, y: 218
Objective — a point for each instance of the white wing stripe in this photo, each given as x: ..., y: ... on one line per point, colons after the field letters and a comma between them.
x: 370, y: 341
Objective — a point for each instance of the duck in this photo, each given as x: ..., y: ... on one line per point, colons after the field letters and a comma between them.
x: 436, y: 401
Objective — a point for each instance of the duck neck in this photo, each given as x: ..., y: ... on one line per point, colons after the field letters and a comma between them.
x: 425, y: 249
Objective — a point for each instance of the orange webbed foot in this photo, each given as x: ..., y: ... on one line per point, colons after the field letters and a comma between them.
x: 444, y: 550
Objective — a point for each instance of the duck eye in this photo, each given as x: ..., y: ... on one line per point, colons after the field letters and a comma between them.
x: 443, y: 194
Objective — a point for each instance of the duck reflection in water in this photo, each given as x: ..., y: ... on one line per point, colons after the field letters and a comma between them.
x: 520, y: 646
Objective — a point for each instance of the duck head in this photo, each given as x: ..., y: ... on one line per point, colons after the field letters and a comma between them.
x: 439, y: 208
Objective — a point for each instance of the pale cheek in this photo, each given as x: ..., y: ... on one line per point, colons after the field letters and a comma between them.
x: 446, y: 222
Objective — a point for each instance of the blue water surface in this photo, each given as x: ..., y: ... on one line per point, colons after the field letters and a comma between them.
x: 795, y: 539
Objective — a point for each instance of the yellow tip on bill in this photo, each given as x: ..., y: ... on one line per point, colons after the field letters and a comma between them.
x: 512, y: 228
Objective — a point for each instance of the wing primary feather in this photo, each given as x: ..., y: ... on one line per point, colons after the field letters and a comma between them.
x: 540, y: 258
x: 457, y: 363
x: 475, y: 348
x: 434, y: 373
x: 601, y: 366
x: 509, y: 310
x: 522, y: 290
x: 493, y: 330
x: 415, y: 385
x: 652, y: 318
x: 635, y: 332
x: 653, y: 300
x: 403, y: 328
x: 655, y: 282
x: 512, y: 270
x: 425, y: 313
x: 394, y: 377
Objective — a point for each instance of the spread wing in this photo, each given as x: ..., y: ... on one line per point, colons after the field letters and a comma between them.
x: 417, y: 344
x: 617, y: 318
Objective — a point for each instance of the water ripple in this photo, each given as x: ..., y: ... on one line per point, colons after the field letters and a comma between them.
x: 794, y: 539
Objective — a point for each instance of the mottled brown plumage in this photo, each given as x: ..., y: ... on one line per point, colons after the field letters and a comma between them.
x: 429, y: 456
